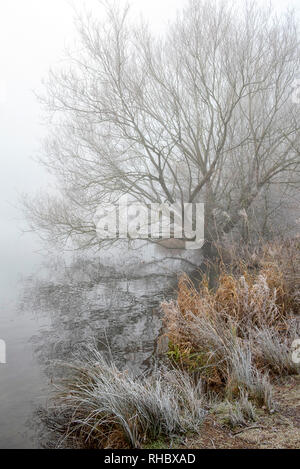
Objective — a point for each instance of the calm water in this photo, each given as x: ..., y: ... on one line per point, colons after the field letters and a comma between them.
x: 49, y: 318
x: 22, y: 383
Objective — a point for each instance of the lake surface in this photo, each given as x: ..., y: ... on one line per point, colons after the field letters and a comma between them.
x: 22, y: 382
x: 51, y: 317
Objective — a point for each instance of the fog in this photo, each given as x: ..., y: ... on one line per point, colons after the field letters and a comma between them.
x: 33, y: 37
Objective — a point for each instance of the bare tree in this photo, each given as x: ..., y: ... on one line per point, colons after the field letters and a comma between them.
x: 203, y: 113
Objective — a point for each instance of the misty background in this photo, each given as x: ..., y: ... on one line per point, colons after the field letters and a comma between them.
x: 33, y: 37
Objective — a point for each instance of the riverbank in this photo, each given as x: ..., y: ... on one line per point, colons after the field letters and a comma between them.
x: 228, y: 375
x: 280, y: 430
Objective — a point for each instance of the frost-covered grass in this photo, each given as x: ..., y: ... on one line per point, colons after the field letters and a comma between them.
x: 237, y: 336
x: 104, y: 407
x: 227, y: 344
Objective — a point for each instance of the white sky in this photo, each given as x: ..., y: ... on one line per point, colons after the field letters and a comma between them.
x: 33, y: 34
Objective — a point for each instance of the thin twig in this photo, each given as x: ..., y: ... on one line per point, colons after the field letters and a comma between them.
x: 248, y: 428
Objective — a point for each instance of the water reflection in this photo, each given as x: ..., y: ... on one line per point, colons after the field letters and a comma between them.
x: 116, y: 310
x: 22, y: 386
x: 86, y: 301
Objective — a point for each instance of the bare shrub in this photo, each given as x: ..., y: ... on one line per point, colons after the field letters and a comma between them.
x: 237, y: 333
x: 278, y: 261
x: 211, y: 346
x: 285, y: 256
